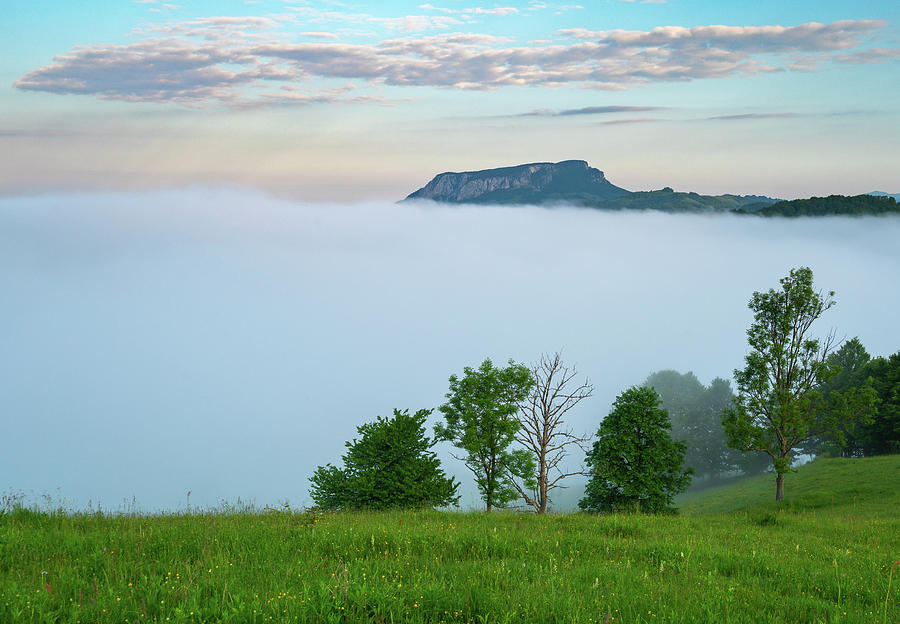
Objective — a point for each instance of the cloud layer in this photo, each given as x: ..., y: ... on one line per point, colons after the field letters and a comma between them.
x: 227, y: 343
x: 248, y: 60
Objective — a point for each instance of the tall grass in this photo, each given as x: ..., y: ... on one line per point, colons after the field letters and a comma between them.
x: 817, y: 564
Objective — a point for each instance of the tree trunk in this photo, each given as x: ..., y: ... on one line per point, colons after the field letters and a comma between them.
x: 779, y: 487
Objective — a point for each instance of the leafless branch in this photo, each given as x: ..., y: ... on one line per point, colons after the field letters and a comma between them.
x: 542, y: 431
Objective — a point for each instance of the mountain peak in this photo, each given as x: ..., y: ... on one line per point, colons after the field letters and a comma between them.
x: 537, y: 183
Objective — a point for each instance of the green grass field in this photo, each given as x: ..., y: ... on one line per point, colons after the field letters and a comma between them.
x: 731, y: 556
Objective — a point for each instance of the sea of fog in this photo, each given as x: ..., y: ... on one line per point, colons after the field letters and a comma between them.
x: 225, y: 343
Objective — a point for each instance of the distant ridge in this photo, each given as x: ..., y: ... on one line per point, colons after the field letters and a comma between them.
x: 571, y: 182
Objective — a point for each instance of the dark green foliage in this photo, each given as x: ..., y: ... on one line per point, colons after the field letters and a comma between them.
x: 668, y: 200
x: 850, y: 360
x: 862, y: 378
x: 634, y: 463
x: 779, y: 404
x: 695, y: 412
x: 821, y: 206
x: 390, y: 466
x: 481, y: 421
x: 881, y: 436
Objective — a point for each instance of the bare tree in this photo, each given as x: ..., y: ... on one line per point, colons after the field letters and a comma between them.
x: 543, y: 432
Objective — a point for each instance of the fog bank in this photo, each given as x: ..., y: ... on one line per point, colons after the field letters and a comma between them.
x: 226, y: 343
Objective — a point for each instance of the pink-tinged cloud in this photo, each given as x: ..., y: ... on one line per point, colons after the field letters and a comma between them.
x: 319, y: 35
x: 232, y: 60
x: 872, y: 55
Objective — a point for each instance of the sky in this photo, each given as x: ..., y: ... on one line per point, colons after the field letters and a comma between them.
x: 355, y: 101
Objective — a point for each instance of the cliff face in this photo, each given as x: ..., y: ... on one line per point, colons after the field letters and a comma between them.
x: 532, y: 183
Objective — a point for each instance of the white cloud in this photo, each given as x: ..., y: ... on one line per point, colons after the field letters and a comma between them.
x: 499, y: 11
x: 319, y: 35
x: 234, y: 59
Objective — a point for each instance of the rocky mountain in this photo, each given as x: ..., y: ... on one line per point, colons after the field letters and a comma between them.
x: 566, y: 181
x: 571, y: 182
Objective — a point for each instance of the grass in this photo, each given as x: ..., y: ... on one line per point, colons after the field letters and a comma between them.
x: 810, y: 561
x: 872, y: 484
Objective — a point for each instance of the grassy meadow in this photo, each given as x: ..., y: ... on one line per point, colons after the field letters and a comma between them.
x: 830, y: 554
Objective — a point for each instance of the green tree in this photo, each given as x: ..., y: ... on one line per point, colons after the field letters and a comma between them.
x: 390, y: 466
x: 480, y: 415
x: 634, y: 463
x: 682, y: 396
x: 881, y: 435
x: 851, y: 359
x: 779, y: 404
x: 695, y: 411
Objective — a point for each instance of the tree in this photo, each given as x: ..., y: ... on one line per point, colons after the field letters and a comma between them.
x: 779, y: 404
x: 541, y: 427
x: 634, y: 463
x: 881, y: 435
x: 850, y: 359
x: 695, y: 412
x: 390, y: 466
x: 481, y: 421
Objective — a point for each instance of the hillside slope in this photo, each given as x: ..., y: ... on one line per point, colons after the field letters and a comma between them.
x: 872, y: 483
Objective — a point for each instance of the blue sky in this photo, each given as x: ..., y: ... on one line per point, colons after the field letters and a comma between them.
x: 339, y: 101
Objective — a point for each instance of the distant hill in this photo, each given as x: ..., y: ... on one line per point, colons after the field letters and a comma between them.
x: 668, y: 200
x: 896, y: 196
x: 540, y: 183
x: 575, y: 183
x: 826, y: 206
x: 872, y: 483
x: 571, y: 182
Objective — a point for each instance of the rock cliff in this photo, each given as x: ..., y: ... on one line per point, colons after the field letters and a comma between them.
x: 532, y: 183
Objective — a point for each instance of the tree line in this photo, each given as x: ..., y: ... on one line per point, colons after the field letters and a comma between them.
x: 795, y: 395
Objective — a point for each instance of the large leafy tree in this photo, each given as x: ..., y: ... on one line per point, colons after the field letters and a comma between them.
x: 389, y: 466
x: 634, y: 463
x: 779, y: 404
x: 480, y: 415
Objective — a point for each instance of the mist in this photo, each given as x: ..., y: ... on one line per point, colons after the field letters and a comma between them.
x: 225, y: 343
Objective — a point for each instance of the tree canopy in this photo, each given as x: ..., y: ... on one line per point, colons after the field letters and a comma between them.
x: 881, y: 435
x: 390, y: 466
x: 779, y: 404
x: 480, y: 415
x: 861, y: 373
x: 821, y: 206
x: 634, y: 463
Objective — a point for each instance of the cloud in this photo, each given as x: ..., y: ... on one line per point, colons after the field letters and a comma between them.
x: 745, y: 116
x: 496, y: 11
x: 630, y: 120
x: 319, y: 35
x: 407, y: 23
x: 872, y: 55
x: 157, y: 6
x: 587, y: 110
x: 839, y: 35
x: 231, y: 59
